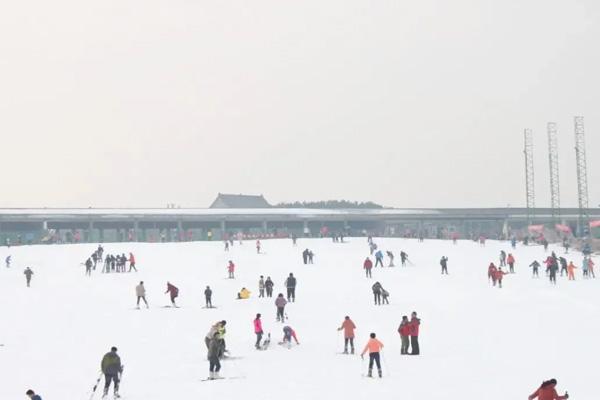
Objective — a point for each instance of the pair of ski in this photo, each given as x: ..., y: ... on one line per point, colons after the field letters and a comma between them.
x: 221, y: 378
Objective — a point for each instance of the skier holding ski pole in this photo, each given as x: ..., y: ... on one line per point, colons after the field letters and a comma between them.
x: 374, y: 347
x: 112, y: 370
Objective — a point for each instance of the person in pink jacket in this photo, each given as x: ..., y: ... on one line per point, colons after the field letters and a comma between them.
x: 258, y: 331
x: 231, y: 269
x: 374, y: 347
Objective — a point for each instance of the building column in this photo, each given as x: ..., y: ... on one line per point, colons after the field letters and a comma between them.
x: 90, y: 237
x: 305, y: 227
x: 265, y: 228
x: 180, y: 234
x: 223, y: 228
x: 136, y: 229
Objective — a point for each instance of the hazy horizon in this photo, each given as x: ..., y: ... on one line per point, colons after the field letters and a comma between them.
x: 406, y: 104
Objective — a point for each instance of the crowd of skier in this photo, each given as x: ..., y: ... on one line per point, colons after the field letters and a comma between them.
x: 408, y: 329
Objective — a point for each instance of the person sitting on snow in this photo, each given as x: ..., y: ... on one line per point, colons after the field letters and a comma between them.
x: 244, y: 294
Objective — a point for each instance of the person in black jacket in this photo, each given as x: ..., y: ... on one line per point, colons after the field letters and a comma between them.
x: 377, y: 289
x: 290, y: 284
x: 444, y: 264
x: 208, y: 297
x: 269, y: 286
x: 112, y: 369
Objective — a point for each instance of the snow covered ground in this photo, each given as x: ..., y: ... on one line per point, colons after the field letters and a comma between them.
x: 477, y: 342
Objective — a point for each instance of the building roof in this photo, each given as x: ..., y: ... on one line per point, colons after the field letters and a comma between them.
x: 239, y: 201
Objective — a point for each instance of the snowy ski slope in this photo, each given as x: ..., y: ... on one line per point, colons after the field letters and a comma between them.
x: 477, y: 342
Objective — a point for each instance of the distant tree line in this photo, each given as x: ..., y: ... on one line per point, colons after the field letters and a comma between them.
x: 330, y: 204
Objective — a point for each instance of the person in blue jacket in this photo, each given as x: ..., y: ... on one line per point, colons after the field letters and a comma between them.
x: 378, y: 258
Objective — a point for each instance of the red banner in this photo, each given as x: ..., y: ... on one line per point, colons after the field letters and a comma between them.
x: 595, y: 224
x: 562, y: 228
x: 536, y: 228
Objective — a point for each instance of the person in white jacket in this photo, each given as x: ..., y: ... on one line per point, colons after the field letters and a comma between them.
x: 140, y: 292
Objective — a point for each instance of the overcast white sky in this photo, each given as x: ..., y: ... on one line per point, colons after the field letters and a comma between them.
x: 406, y: 103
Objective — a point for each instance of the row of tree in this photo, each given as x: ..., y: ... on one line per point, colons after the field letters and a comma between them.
x: 330, y: 204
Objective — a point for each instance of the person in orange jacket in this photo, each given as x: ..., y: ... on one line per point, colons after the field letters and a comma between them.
x: 348, y: 327
x: 571, y: 271
x: 499, y: 274
x: 374, y: 347
x: 510, y: 260
x: 132, y: 262
x: 547, y: 391
x: 591, y: 268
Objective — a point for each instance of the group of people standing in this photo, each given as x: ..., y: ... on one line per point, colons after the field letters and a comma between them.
x: 409, y: 336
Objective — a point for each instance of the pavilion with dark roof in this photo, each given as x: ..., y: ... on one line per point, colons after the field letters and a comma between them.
x: 239, y: 201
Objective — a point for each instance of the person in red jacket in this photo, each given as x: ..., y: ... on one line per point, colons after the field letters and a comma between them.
x: 492, y: 273
x: 132, y: 262
x: 348, y: 327
x: 173, y: 292
x: 404, y: 331
x: 547, y: 391
x: 510, y: 260
x: 231, y: 269
x: 368, y: 265
x: 414, y: 333
x: 499, y: 274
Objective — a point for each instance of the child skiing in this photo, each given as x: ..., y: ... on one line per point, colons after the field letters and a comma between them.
x: 374, y: 347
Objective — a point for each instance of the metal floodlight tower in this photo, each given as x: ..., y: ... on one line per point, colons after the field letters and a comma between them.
x: 554, y: 179
x: 582, y: 186
x: 529, y: 176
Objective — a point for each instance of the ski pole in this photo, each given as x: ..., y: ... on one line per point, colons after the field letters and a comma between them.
x: 96, y: 385
x: 387, y: 371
